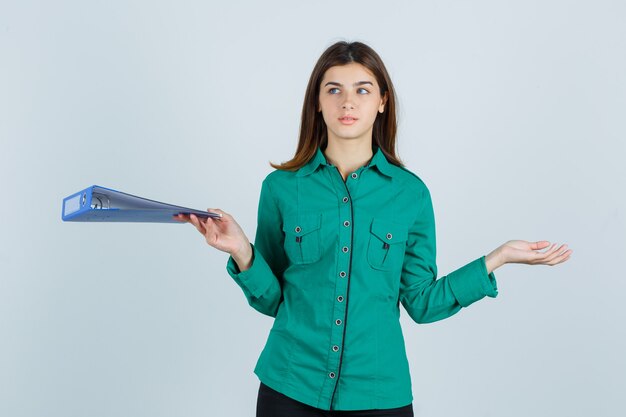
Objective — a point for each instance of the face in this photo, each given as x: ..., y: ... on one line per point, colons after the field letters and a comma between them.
x: 349, y: 101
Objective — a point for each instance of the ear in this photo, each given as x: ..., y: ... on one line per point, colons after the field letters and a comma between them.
x: 383, y: 101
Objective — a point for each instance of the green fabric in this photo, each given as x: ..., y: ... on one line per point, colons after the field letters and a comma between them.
x: 296, y: 277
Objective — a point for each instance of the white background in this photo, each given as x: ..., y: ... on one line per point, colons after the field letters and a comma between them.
x: 511, y: 112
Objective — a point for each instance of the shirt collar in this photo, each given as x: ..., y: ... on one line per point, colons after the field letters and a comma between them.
x: 378, y: 160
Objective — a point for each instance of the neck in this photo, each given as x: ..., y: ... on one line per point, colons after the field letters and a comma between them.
x: 348, y: 156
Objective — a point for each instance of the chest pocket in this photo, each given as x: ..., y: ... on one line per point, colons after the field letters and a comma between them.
x: 387, y: 242
x: 303, y: 238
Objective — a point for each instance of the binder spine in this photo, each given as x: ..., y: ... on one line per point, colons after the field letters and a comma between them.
x: 77, y: 204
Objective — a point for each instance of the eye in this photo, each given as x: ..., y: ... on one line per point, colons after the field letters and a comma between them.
x: 332, y: 89
x: 363, y: 89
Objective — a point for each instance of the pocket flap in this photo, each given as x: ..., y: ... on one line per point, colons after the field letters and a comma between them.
x: 388, y: 231
x: 300, y: 226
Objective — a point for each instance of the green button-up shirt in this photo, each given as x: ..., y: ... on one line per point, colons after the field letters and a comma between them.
x: 332, y: 261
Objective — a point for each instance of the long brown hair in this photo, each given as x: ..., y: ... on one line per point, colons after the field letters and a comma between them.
x: 313, y: 131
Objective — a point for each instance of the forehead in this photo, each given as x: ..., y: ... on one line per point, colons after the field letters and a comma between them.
x: 349, y: 73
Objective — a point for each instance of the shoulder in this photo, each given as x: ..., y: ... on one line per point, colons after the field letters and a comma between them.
x: 278, y: 179
x: 409, y: 180
x: 279, y: 175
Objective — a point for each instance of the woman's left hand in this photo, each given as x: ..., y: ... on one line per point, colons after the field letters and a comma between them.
x: 523, y: 252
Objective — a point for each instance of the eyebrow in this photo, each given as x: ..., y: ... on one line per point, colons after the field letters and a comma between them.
x: 355, y: 84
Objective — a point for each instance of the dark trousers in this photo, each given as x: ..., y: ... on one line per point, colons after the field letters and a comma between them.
x: 271, y: 403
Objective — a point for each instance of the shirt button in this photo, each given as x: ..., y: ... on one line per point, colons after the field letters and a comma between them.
x: 335, y: 348
x: 345, y: 199
x: 342, y: 274
x: 340, y: 298
x: 298, y: 229
x: 331, y: 374
x: 354, y: 175
x: 388, y: 235
x: 346, y: 223
x: 344, y: 249
x: 338, y: 322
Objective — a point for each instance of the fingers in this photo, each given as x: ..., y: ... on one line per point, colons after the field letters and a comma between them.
x: 205, y: 226
x: 543, y: 256
x: 550, y: 250
x: 187, y: 219
x: 561, y: 255
x: 553, y: 252
x: 540, y: 244
x: 554, y: 255
x: 218, y: 211
x: 198, y: 224
x: 181, y: 218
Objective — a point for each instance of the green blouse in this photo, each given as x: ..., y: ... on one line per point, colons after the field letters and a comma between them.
x: 332, y: 261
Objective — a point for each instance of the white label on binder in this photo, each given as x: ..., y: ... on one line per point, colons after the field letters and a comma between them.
x: 72, y: 205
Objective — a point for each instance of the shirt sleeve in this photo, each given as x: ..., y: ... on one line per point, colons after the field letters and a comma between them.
x: 261, y: 283
x: 426, y: 298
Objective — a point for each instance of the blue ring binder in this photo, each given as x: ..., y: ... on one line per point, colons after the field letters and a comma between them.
x: 100, y: 204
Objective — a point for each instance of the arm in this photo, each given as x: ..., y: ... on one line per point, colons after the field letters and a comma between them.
x: 257, y: 267
x: 426, y: 298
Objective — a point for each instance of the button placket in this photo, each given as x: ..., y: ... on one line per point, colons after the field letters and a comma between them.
x: 345, y: 223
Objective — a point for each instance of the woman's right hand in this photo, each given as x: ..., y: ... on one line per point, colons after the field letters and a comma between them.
x: 223, y: 233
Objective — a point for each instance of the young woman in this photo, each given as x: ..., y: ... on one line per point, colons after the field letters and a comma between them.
x: 345, y: 234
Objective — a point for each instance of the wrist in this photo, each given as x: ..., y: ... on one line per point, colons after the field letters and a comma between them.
x: 243, y: 256
x: 494, y: 260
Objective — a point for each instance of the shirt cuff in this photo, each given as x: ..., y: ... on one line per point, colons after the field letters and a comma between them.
x: 471, y: 282
x: 254, y: 280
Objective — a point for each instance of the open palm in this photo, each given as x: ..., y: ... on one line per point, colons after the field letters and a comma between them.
x: 524, y: 252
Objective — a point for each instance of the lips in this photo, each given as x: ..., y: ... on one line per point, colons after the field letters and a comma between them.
x: 348, y: 120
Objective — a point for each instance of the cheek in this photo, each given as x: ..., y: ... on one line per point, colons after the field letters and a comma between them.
x: 329, y: 108
x: 323, y: 105
x: 372, y: 111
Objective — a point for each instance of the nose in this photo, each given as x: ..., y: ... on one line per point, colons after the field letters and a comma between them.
x: 348, y: 102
